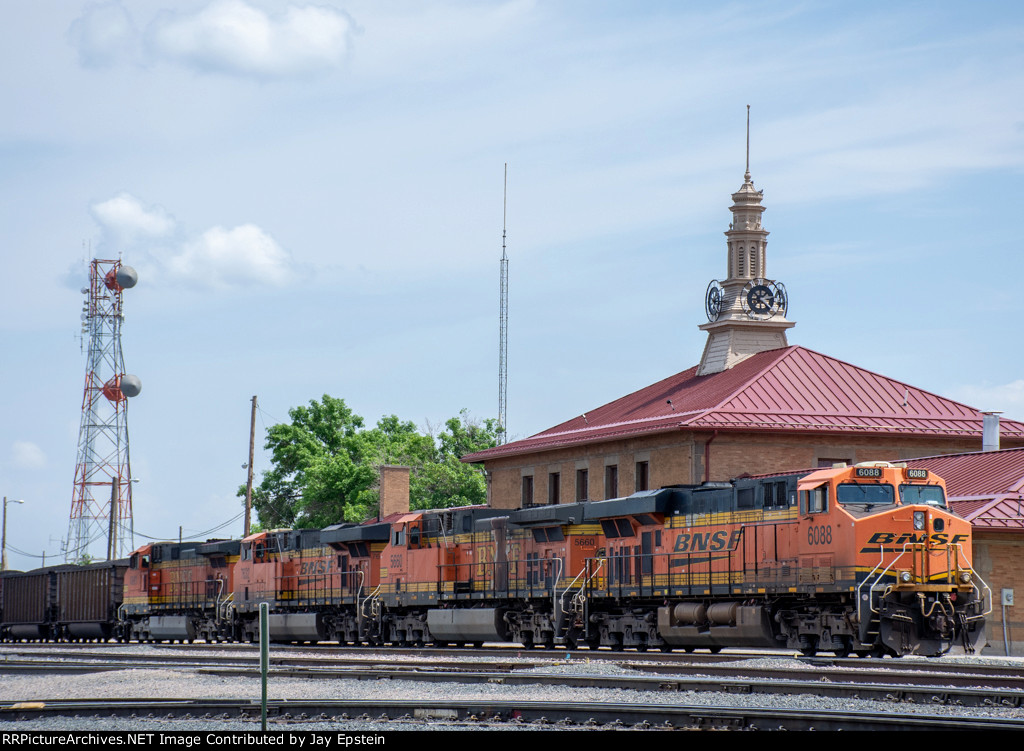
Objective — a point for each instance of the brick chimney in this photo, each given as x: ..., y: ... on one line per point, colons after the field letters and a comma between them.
x: 394, y: 490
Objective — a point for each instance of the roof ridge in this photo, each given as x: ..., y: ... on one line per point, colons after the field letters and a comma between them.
x: 548, y: 432
x: 964, y: 453
x: 756, y: 375
x: 996, y: 499
x: 894, y: 380
x: 653, y: 418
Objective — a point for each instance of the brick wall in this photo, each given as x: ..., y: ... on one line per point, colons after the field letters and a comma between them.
x: 999, y: 560
x: 679, y: 458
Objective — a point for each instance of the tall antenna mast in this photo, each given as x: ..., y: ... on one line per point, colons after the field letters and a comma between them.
x: 503, y: 325
x: 746, y: 175
x: 101, y: 504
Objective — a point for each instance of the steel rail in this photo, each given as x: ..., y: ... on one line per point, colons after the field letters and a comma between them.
x: 295, y: 714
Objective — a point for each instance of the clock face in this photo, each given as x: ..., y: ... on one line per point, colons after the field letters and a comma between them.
x: 763, y: 299
x: 760, y: 299
x: 713, y: 300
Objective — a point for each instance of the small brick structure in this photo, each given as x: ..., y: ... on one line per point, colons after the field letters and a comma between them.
x: 394, y: 490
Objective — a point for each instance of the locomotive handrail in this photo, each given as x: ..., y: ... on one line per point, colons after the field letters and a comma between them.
x: 867, y: 578
x: 556, y: 605
x: 974, y: 574
x: 220, y: 591
x: 580, y: 596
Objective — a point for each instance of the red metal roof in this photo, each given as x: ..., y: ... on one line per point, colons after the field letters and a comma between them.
x: 987, y: 488
x: 792, y: 389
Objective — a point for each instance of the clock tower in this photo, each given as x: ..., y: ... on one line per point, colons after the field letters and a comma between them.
x: 747, y: 311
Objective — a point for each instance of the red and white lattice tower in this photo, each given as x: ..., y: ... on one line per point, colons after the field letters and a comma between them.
x: 101, y: 524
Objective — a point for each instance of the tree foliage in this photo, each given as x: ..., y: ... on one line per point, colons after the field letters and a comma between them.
x: 326, y: 465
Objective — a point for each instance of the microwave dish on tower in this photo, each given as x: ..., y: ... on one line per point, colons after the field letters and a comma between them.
x: 101, y: 504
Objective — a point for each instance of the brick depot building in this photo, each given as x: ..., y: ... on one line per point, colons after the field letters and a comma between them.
x: 754, y: 404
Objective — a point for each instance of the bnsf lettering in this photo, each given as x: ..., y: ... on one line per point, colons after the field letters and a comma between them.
x: 310, y: 568
x: 720, y: 540
x: 938, y: 538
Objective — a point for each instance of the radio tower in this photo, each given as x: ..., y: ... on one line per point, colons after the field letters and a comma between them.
x: 503, y: 325
x: 101, y: 506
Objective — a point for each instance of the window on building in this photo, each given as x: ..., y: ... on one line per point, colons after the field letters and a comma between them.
x: 611, y: 481
x: 554, y: 488
x: 582, y: 493
x: 527, y: 490
x: 642, y: 476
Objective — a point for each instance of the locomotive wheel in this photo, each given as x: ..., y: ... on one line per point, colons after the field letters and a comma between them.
x: 715, y: 650
x: 808, y: 646
x: 844, y: 647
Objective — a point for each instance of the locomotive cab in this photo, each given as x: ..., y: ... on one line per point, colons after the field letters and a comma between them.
x: 884, y: 534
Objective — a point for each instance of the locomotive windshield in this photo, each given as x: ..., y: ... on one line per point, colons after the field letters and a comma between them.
x: 929, y: 494
x: 875, y: 495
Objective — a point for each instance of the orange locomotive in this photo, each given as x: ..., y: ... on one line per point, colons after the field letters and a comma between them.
x: 178, y: 591
x: 866, y: 559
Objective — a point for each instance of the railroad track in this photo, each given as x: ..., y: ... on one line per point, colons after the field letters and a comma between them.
x: 300, y: 715
x: 925, y: 684
x: 79, y: 658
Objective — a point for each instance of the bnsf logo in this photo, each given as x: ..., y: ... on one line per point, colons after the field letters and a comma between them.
x: 938, y: 538
x: 314, y: 567
x: 720, y: 540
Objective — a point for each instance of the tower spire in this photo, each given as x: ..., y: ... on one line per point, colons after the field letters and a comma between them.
x: 747, y: 311
x: 746, y: 174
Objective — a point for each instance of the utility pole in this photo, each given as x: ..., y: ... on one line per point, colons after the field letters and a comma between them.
x: 248, y: 483
x: 112, y: 532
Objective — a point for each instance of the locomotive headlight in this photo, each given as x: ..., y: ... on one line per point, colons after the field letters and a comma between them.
x: 905, y: 577
x: 965, y: 578
x: 919, y: 520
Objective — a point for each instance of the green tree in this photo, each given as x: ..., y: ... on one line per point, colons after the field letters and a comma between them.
x: 326, y: 466
x: 447, y: 481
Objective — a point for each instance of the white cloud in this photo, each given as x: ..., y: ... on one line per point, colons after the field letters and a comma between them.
x: 160, y: 248
x: 231, y: 36
x: 241, y: 256
x: 126, y: 220
x: 27, y: 455
x: 104, y: 35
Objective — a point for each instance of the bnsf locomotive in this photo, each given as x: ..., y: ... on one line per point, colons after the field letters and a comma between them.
x: 866, y: 559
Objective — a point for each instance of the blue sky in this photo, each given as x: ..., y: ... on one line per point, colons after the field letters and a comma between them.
x: 312, y: 196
